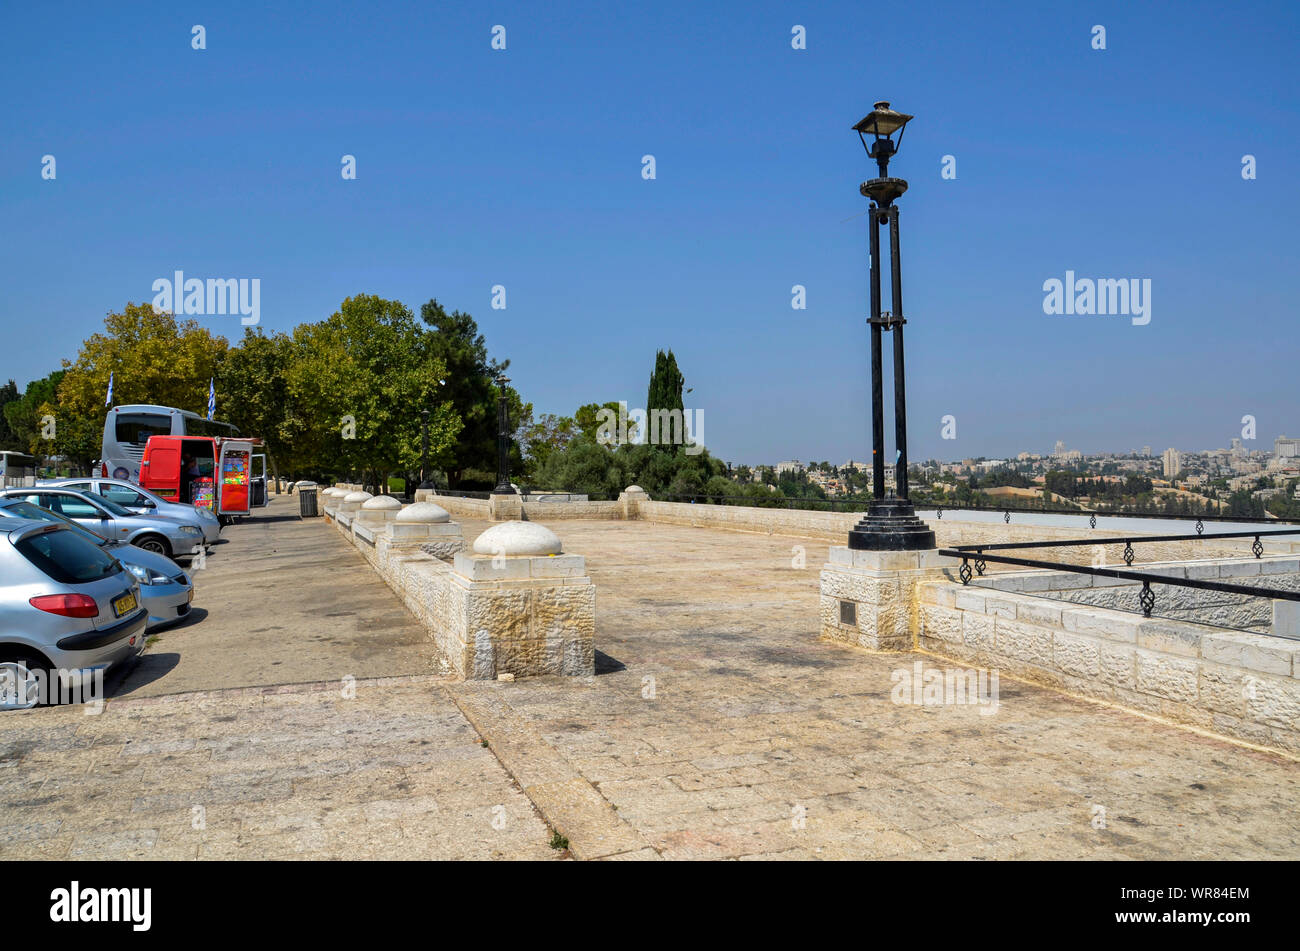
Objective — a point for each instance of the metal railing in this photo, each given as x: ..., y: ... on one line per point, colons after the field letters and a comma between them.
x: 1146, y: 597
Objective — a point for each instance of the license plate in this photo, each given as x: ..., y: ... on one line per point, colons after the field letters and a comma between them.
x: 124, y: 605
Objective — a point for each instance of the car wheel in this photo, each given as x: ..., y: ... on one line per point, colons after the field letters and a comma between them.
x: 21, y: 674
x: 154, y: 543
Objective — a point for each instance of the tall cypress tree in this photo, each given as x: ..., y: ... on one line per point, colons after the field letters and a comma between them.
x: 665, y: 387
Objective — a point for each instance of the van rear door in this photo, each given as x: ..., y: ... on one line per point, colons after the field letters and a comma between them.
x: 160, y: 471
x: 234, y: 477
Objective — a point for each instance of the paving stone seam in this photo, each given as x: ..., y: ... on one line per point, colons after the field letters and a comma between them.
x: 585, y: 817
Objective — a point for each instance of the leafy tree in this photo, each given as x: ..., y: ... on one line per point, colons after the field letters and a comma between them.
x: 8, y: 437
x: 152, y: 357
x: 468, y: 385
x: 22, y: 416
x: 364, y: 374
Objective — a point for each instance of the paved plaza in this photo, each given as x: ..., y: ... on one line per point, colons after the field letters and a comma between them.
x: 718, y: 725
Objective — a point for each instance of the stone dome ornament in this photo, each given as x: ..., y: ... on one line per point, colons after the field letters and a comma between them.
x: 423, y: 512
x: 381, y: 503
x: 518, y: 538
x: 357, y: 497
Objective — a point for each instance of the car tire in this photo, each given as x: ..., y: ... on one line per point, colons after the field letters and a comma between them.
x: 154, y: 543
x: 18, y: 666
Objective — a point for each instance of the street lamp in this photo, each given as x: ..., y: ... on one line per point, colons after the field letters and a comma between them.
x: 891, y: 523
x: 503, y: 440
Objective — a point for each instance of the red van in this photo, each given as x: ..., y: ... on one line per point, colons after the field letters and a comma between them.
x: 227, y: 476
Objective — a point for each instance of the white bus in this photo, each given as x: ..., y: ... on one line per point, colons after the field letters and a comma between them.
x: 128, y: 428
x: 17, y: 470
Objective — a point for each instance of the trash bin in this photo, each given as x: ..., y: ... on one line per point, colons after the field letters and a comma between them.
x: 307, y: 500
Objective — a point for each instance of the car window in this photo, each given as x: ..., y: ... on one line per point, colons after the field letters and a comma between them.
x: 21, y: 509
x: 68, y: 558
x: 123, y: 495
x: 112, y: 507
x: 79, y: 486
x: 68, y: 505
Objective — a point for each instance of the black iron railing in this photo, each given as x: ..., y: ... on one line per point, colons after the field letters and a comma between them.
x: 979, y: 553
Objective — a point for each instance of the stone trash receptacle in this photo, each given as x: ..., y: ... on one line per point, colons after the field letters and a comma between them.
x: 519, y: 605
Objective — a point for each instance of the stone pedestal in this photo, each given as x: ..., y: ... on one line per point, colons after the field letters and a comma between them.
x: 518, y: 605
x: 505, y: 506
x: 349, y: 507
x: 426, y: 527
x: 870, y: 598
x: 629, y: 501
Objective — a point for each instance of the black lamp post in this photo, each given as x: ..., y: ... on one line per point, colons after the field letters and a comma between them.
x: 891, y: 523
x: 503, y: 440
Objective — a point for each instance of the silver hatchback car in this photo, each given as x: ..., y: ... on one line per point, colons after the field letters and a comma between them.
x: 68, y: 611
x: 165, y: 590
x: 142, y: 502
x: 157, y: 533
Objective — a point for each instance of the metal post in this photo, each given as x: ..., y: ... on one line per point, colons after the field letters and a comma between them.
x: 877, y: 369
x: 900, y: 397
x: 503, y: 441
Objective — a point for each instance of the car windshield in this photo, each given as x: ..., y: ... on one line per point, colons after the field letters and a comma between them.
x: 21, y: 508
x: 112, y: 507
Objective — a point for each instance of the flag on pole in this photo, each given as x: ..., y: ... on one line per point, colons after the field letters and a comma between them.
x: 212, y: 398
x: 108, y: 398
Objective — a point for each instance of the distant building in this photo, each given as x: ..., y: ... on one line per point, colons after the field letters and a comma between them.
x: 1146, y: 451
x: 1173, y: 462
x: 793, y: 465
x: 1059, y: 451
x: 1285, y: 448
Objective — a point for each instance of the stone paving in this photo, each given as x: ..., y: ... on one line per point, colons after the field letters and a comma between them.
x: 718, y: 726
x: 298, y: 772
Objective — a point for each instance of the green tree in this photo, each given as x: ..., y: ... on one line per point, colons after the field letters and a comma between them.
x: 23, y: 417
x: 8, y: 437
x: 665, y: 393
x: 362, y: 376
x: 467, y: 384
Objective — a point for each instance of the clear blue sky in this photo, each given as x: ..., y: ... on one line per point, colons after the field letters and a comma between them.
x: 523, y: 168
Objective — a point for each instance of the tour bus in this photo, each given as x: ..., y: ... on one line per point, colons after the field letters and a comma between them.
x: 17, y: 470
x: 227, y: 476
x: 127, y: 430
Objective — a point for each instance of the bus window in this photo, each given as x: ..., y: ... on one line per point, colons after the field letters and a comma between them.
x: 134, y: 429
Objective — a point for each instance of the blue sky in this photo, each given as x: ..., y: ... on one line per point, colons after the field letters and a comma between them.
x: 522, y: 167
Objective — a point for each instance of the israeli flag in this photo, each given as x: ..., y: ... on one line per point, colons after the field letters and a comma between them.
x: 212, y: 398
x: 108, y: 397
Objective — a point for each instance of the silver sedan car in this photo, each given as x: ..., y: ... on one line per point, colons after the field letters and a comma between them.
x: 162, y: 534
x: 68, y: 611
x: 143, y: 502
x: 165, y: 590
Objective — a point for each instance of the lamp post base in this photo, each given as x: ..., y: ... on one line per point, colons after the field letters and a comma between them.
x: 891, y: 525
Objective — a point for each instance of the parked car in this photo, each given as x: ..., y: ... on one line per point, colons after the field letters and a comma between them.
x: 142, y: 501
x: 163, y: 534
x: 67, y: 609
x: 165, y: 590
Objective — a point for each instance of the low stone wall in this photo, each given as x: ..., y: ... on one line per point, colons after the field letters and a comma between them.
x: 1217, y: 608
x: 489, y: 614
x: 1236, y: 684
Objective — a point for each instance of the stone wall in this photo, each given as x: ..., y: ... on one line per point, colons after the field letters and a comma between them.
x: 1236, y: 684
x: 1218, y: 608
